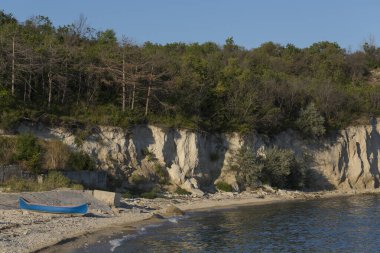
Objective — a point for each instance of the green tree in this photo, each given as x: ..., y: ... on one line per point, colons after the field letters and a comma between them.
x: 310, y: 122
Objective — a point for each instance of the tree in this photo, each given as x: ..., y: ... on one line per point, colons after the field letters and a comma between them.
x: 248, y: 167
x: 310, y: 122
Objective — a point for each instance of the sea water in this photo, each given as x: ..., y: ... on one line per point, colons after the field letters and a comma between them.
x: 341, y: 224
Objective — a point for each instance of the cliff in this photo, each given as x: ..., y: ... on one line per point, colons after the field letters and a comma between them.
x: 193, y: 160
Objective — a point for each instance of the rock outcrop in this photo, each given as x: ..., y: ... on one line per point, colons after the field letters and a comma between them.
x: 193, y: 160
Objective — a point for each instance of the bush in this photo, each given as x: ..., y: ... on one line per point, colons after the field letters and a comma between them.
x: 281, y: 169
x: 7, y: 150
x: 55, y: 180
x: 28, y: 152
x: 149, y: 195
x: 248, y: 167
x: 145, y: 152
x: 127, y: 195
x: 223, y: 186
x: 310, y: 122
x: 181, y: 191
x: 81, y: 136
x: 161, y: 173
x: 278, y: 167
x: 56, y: 155
x: 80, y: 161
x: 137, y: 179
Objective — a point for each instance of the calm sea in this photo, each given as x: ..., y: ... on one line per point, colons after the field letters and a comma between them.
x: 344, y: 224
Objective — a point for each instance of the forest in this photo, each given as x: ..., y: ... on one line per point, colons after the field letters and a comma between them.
x: 76, y: 75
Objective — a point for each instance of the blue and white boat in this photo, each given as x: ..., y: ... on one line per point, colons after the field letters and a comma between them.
x: 26, y: 205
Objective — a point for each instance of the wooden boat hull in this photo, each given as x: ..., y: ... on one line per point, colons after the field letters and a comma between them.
x: 25, y: 205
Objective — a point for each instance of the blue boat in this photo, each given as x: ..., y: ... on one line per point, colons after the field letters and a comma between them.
x: 26, y: 205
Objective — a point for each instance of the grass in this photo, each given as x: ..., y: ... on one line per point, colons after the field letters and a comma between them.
x: 53, y: 181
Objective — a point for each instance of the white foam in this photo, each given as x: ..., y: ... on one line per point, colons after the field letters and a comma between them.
x: 173, y: 220
x: 117, y: 242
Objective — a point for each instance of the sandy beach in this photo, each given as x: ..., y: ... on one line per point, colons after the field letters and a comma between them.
x: 22, y: 231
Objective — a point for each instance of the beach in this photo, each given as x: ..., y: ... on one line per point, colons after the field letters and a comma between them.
x: 22, y: 231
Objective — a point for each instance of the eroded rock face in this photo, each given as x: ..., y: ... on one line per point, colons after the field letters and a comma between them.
x: 351, y: 161
x: 348, y: 160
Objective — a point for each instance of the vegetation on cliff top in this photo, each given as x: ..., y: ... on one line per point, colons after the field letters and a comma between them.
x: 74, y: 74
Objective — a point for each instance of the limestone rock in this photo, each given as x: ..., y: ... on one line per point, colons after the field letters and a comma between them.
x: 172, y: 210
x: 347, y: 160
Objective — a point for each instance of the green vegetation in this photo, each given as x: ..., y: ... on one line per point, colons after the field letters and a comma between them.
x: 80, y: 161
x: 7, y: 150
x: 161, y: 173
x: 310, y: 122
x: 28, y: 152
x: 149, y: 195
x: 127, y: 195
x: 145, y: 152
x: 223, y: 186
x: 52, y: 181
x: 37, y: 156
x: 278, y: 168
x: 181, y: 191
x: 74, y: 74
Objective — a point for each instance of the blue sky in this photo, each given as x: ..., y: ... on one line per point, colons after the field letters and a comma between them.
x: 250, y: 22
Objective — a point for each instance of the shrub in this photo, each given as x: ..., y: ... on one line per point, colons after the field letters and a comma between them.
x: 7, y: 150
x: 56, y: 155
x: 310, y: 122
x: 161, y: 173
x: 80, y: 161
x: 223, y: 186
x: 149, y: 195
x: 137, y: 179
x: 127, y: 195
x: 55, y: 180
x: 181, y: 191
x: 281, y: 169
x: 248, y: 166
x: 80, y: 136
x: 145, y: 152
x: 28, y: 152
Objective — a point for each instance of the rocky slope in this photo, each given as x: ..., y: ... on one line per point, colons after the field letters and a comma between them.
x: 347, y: 160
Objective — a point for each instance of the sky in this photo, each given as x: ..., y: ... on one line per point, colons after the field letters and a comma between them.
x: 250, y: 22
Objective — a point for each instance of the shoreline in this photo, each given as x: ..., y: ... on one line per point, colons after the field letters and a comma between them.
x: 143, y: 212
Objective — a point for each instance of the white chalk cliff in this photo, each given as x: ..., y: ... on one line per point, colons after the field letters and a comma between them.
x: 347, y: 160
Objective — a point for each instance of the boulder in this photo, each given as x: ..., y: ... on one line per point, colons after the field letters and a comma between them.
x: 110, y: 198
x: 172, y: 210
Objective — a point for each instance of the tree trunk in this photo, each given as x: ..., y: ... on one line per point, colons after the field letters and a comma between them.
x: 134, y: 91
x: 30, y: 88
x: 80, y: 87
x: 13, y: 65
x: 64, y: 86
x: 124, y: 86
x: 148, y: 95
x: 30, y: 81
x: 147, y: 101
x: 50, y: 88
